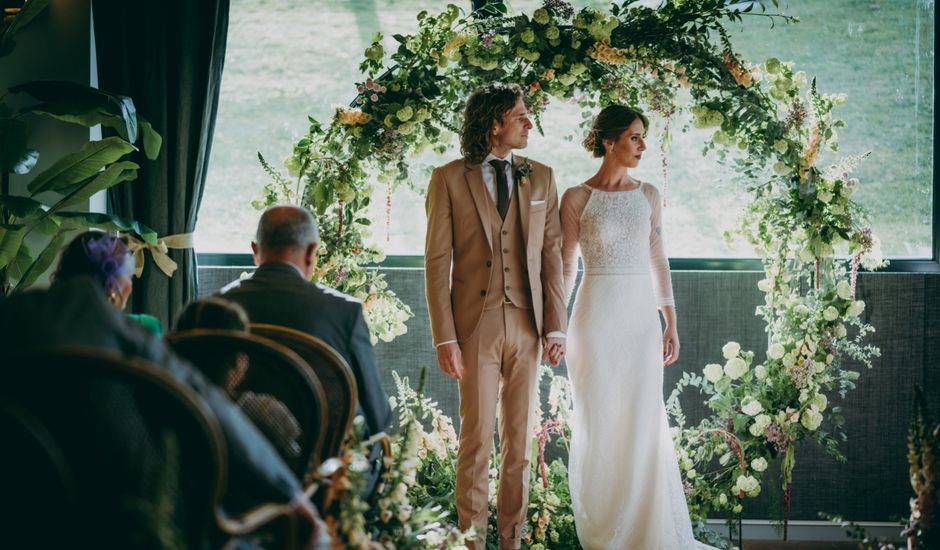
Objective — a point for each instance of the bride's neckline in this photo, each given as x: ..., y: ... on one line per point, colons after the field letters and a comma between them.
x: 592, y: 188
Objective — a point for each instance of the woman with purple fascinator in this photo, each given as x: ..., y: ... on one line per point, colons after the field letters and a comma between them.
x: 109, y: 261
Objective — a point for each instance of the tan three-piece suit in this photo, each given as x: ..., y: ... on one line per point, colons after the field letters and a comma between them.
x: 495, y: 286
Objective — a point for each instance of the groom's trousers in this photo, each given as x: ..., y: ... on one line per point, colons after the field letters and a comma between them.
x: 500, y: 360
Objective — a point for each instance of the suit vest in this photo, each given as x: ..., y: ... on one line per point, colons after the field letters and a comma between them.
x: 509, y: 279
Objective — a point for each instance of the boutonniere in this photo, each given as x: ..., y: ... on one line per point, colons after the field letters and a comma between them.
x: 522, y: 173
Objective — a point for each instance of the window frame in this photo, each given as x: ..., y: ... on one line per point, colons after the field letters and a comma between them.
x: 897, y: 265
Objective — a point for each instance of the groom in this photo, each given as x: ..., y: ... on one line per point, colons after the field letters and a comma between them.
x: 493, y: 280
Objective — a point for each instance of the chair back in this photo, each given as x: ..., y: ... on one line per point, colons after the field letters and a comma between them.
x: 334, y: 373
x: 272, y: 385
x: 107, y: 449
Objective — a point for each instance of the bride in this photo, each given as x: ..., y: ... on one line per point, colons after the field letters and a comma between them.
x: 626, y: 488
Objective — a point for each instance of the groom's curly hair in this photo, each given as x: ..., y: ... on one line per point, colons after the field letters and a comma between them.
x: 485, y: 107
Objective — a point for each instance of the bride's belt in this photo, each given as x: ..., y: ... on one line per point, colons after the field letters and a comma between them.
x: 615, y: 270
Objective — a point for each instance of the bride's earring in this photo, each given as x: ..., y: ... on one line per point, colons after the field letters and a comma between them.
x: 114, y: 298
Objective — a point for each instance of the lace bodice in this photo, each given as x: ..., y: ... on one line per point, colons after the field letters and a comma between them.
x: 616, y: 231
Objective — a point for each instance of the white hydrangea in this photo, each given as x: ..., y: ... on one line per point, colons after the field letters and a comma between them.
x: 751, y: 406
x: 811, y: 419
x: 760, y: 371
x: 713, y: 372
x: 820, y: 401
x: 731, y: 350
x: 735, y: 368
x: 776, y: 350
x: 759, y: 464
x: 830, y: 313
x: 760, y: 424
x: 748, y: 484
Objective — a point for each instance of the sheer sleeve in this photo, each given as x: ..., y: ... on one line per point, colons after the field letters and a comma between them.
x: 572, y: 205
x: 659, y: 263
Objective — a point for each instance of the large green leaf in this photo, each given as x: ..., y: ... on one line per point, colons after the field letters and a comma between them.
x: 85, y: 163
x: 111, y: 176
x: 20, y: 264
x: 88, y: 220
x: 42, y: 263
x: 21, y: 207
x: 152, y: 140
x: 11, y: 238
x: 81, y: 104
x: 15, y: 156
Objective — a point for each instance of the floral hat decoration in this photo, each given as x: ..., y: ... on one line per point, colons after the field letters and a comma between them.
x: 112, y: 258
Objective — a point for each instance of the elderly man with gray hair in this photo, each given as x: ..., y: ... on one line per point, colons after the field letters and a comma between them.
x: 280, y: 293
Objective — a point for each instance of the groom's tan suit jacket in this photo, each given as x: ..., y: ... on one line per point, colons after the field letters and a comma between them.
x: 459, y: 251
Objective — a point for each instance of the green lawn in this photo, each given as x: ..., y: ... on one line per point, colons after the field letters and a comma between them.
x: 288, y: 59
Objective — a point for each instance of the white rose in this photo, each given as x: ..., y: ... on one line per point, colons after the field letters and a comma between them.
x: 811, y: 419
x: 829, y: 358
x: 690, y: 474
x: 804, y: 395
x: 751, y: 406
x: 731, y: 350
x: 844, y: 290
x: 855, y: 308
x: 735, y: 368
x: 760, y: 371
x: 723, y: 499
x: 820, y: 401
x: 759, y: 464
x: 841, y: 330
x: 713, y: 372
x: 830, y: 314
x: 776, y: 350
x: 824, y: 196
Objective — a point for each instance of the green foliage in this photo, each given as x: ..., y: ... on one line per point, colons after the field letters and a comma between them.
x: 38, y: 221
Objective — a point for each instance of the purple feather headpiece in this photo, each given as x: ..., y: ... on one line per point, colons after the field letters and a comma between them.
x: 113, y: 259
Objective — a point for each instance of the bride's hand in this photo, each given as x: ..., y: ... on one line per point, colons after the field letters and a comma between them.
x: 670, y: 349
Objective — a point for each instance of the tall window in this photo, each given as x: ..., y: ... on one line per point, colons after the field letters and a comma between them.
x: 288, y: 59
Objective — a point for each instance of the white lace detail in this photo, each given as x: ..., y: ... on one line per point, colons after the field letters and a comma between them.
x: 610, y: 224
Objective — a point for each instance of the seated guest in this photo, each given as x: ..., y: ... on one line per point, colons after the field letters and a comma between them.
x: 266, y: 412
x: 75, y: 312
x: 280, y: 293
x: 108, y: 261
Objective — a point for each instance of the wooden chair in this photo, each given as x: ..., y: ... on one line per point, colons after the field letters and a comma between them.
x: 339, y: 384
x: 247, y: 365
x: 63, y: 394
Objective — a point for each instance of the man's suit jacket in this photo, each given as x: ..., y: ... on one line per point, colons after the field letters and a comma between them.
x: 75, y: 313
x: 459, y: 252
x: 278, y: 294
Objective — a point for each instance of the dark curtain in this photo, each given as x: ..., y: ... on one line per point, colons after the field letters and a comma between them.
x: 167, y: 56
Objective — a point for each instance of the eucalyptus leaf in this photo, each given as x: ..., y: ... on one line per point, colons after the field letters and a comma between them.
x: 11, y: 238
x: 72, y: 168
x: 88, y: 220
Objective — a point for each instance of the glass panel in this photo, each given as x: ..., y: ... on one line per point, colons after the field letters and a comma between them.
x: 279, y: 68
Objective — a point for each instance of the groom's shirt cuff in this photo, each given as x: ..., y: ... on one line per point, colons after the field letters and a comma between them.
x: 555, y: 334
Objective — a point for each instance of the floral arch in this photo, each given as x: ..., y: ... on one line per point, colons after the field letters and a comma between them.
x: 773, y: 125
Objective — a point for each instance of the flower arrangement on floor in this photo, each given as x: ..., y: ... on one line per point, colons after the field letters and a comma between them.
x: 769, y: 121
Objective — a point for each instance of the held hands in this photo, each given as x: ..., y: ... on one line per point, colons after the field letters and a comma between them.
x: 450, y: 360
x: 554, y: 349
x: 670, y: 351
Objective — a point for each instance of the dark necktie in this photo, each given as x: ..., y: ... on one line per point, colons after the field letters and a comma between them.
x: 502, y: 187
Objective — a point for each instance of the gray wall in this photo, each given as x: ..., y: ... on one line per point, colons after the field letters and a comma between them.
x: 715, y: 307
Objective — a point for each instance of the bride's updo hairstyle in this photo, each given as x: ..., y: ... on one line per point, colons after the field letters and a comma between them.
x: 609, y: 124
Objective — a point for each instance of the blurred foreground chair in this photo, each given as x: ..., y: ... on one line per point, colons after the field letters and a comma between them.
x: 114, y: 451
x: 272, y: 385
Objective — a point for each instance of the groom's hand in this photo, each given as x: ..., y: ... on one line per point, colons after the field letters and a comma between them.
x: 450, y: 360
x: 554, y: 349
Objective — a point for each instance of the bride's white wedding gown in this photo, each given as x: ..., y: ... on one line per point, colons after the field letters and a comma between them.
x: 625, y: 483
